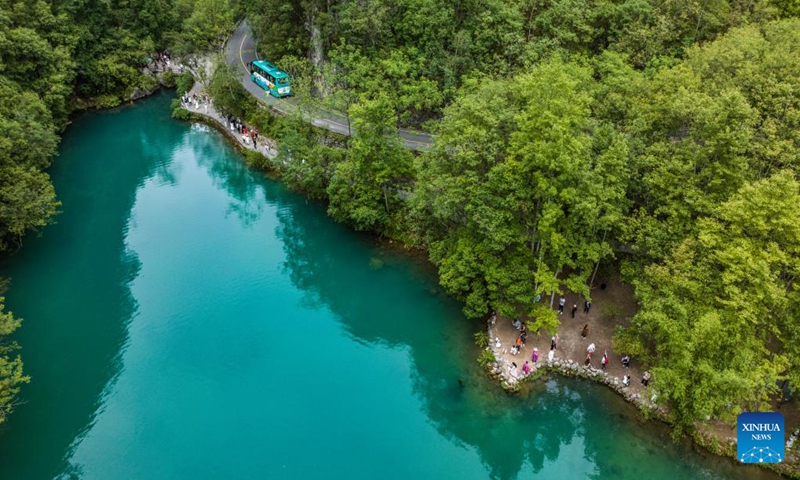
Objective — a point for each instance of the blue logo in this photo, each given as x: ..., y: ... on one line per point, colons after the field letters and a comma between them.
x: 761, y: 438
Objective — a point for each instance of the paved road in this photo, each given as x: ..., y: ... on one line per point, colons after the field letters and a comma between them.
x: 241, y: 50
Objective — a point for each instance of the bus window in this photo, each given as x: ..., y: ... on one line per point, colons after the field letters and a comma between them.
x: 283, y: 81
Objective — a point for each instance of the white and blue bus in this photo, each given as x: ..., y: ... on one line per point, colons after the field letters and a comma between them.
x: 271, y: 78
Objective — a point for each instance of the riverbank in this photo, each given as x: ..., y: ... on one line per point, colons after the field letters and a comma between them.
x: 611, y: 307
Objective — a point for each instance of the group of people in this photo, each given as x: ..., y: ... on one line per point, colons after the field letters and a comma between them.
x: 521, y: 339
x: 162, y: 62
x: 531, y: 365
x: 195, y: 101
x: 249, y: 135
x: 562, y: 301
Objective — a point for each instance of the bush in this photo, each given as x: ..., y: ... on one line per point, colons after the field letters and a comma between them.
x: 184, y: 82
x: 106, y: 101
x: 481, y: 339
x: 486, y: 358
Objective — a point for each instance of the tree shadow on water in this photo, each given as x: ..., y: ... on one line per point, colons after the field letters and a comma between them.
x: 382, y: 297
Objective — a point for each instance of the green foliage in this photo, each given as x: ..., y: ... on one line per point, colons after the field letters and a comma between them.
x: 711, y: 311
x: 520, y: 190
x: 228, y: 93
x: 208, y: 24
x: 56, y: 56
x: 481, y: 339
x: 184, y: 82
x: 11, y: 376
x: 486, y: 358
x: 363, y: 188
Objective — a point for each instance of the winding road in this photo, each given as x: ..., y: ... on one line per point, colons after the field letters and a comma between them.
x: 241, y: 50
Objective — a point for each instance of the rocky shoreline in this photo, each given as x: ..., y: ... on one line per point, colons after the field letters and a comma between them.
x: 501, y: 370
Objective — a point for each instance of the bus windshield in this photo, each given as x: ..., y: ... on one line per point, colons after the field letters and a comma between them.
x: 282, y: 81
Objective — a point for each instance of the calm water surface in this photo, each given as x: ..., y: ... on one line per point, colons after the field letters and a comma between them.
x: 186, y: 318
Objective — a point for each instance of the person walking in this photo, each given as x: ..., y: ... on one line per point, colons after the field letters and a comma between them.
x: 604, y: 361
x: 590, y: 349
x: 585, y: 331
x: 645, y: 378
x: 588, y: 359
x: 553, y: 342
x: 626, y: 361
x: 535, y: 356
x: 526, y: 368
x: 586, y: 306
x: 574, y: 309
x: 561, y: 302
x: 550, y: 355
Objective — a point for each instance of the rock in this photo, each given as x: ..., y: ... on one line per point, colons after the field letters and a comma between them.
x: 138, y: 93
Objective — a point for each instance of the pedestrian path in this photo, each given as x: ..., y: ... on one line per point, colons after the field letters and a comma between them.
x: 198, y: 102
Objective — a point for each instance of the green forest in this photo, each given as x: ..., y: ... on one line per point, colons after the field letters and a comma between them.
x: 659, y: 140
x: 58, y: 57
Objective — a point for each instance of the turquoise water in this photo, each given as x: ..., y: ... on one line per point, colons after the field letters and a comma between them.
x: 187, y: 318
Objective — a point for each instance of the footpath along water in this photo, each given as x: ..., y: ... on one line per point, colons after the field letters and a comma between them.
x: 187, y: 318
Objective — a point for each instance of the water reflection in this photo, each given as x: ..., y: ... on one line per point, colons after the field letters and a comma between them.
x: 234, y: 178
x: 85, y: 281
x: 563, y: 428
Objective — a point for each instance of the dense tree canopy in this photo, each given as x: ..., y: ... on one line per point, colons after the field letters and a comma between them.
x: 54, y: 57
x: 661, y: 138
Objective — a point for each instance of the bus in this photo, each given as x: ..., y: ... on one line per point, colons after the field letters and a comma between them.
x: 271, y: 78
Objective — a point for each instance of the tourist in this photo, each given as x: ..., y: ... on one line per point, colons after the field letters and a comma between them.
x: 561, y: 302
x: 585, y: 331
x: 517, y: 324
x: 586, y: 306
x: 556, y: 337
x: 626, y: 380
x: 553, y: 342
x: 590, y: 349
x: 524, y: 337
x: 513, y: 370
x: 574, y: 309
x: 526, y: 369
x: 550, y: 356
x: 588, y: 359
x: 604, y: 361
x: 626, y: 361
x: 519, y: 343
x: 535, y: 356
x: 514, y: 350
x: 645, y: 378
x: 497, y: 342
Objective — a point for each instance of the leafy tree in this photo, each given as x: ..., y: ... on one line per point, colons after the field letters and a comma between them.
x: 519, y: 192
x: 11, y: 376
x: 363, y: 189
x: 710, y: 312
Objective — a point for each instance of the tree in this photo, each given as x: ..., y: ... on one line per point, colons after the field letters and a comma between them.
x: 519, y: 192
x: 11, y: 376
x: 716, y: 317
x: 363, y: 189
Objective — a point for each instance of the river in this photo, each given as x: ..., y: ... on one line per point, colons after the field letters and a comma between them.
x: 187, y: 318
